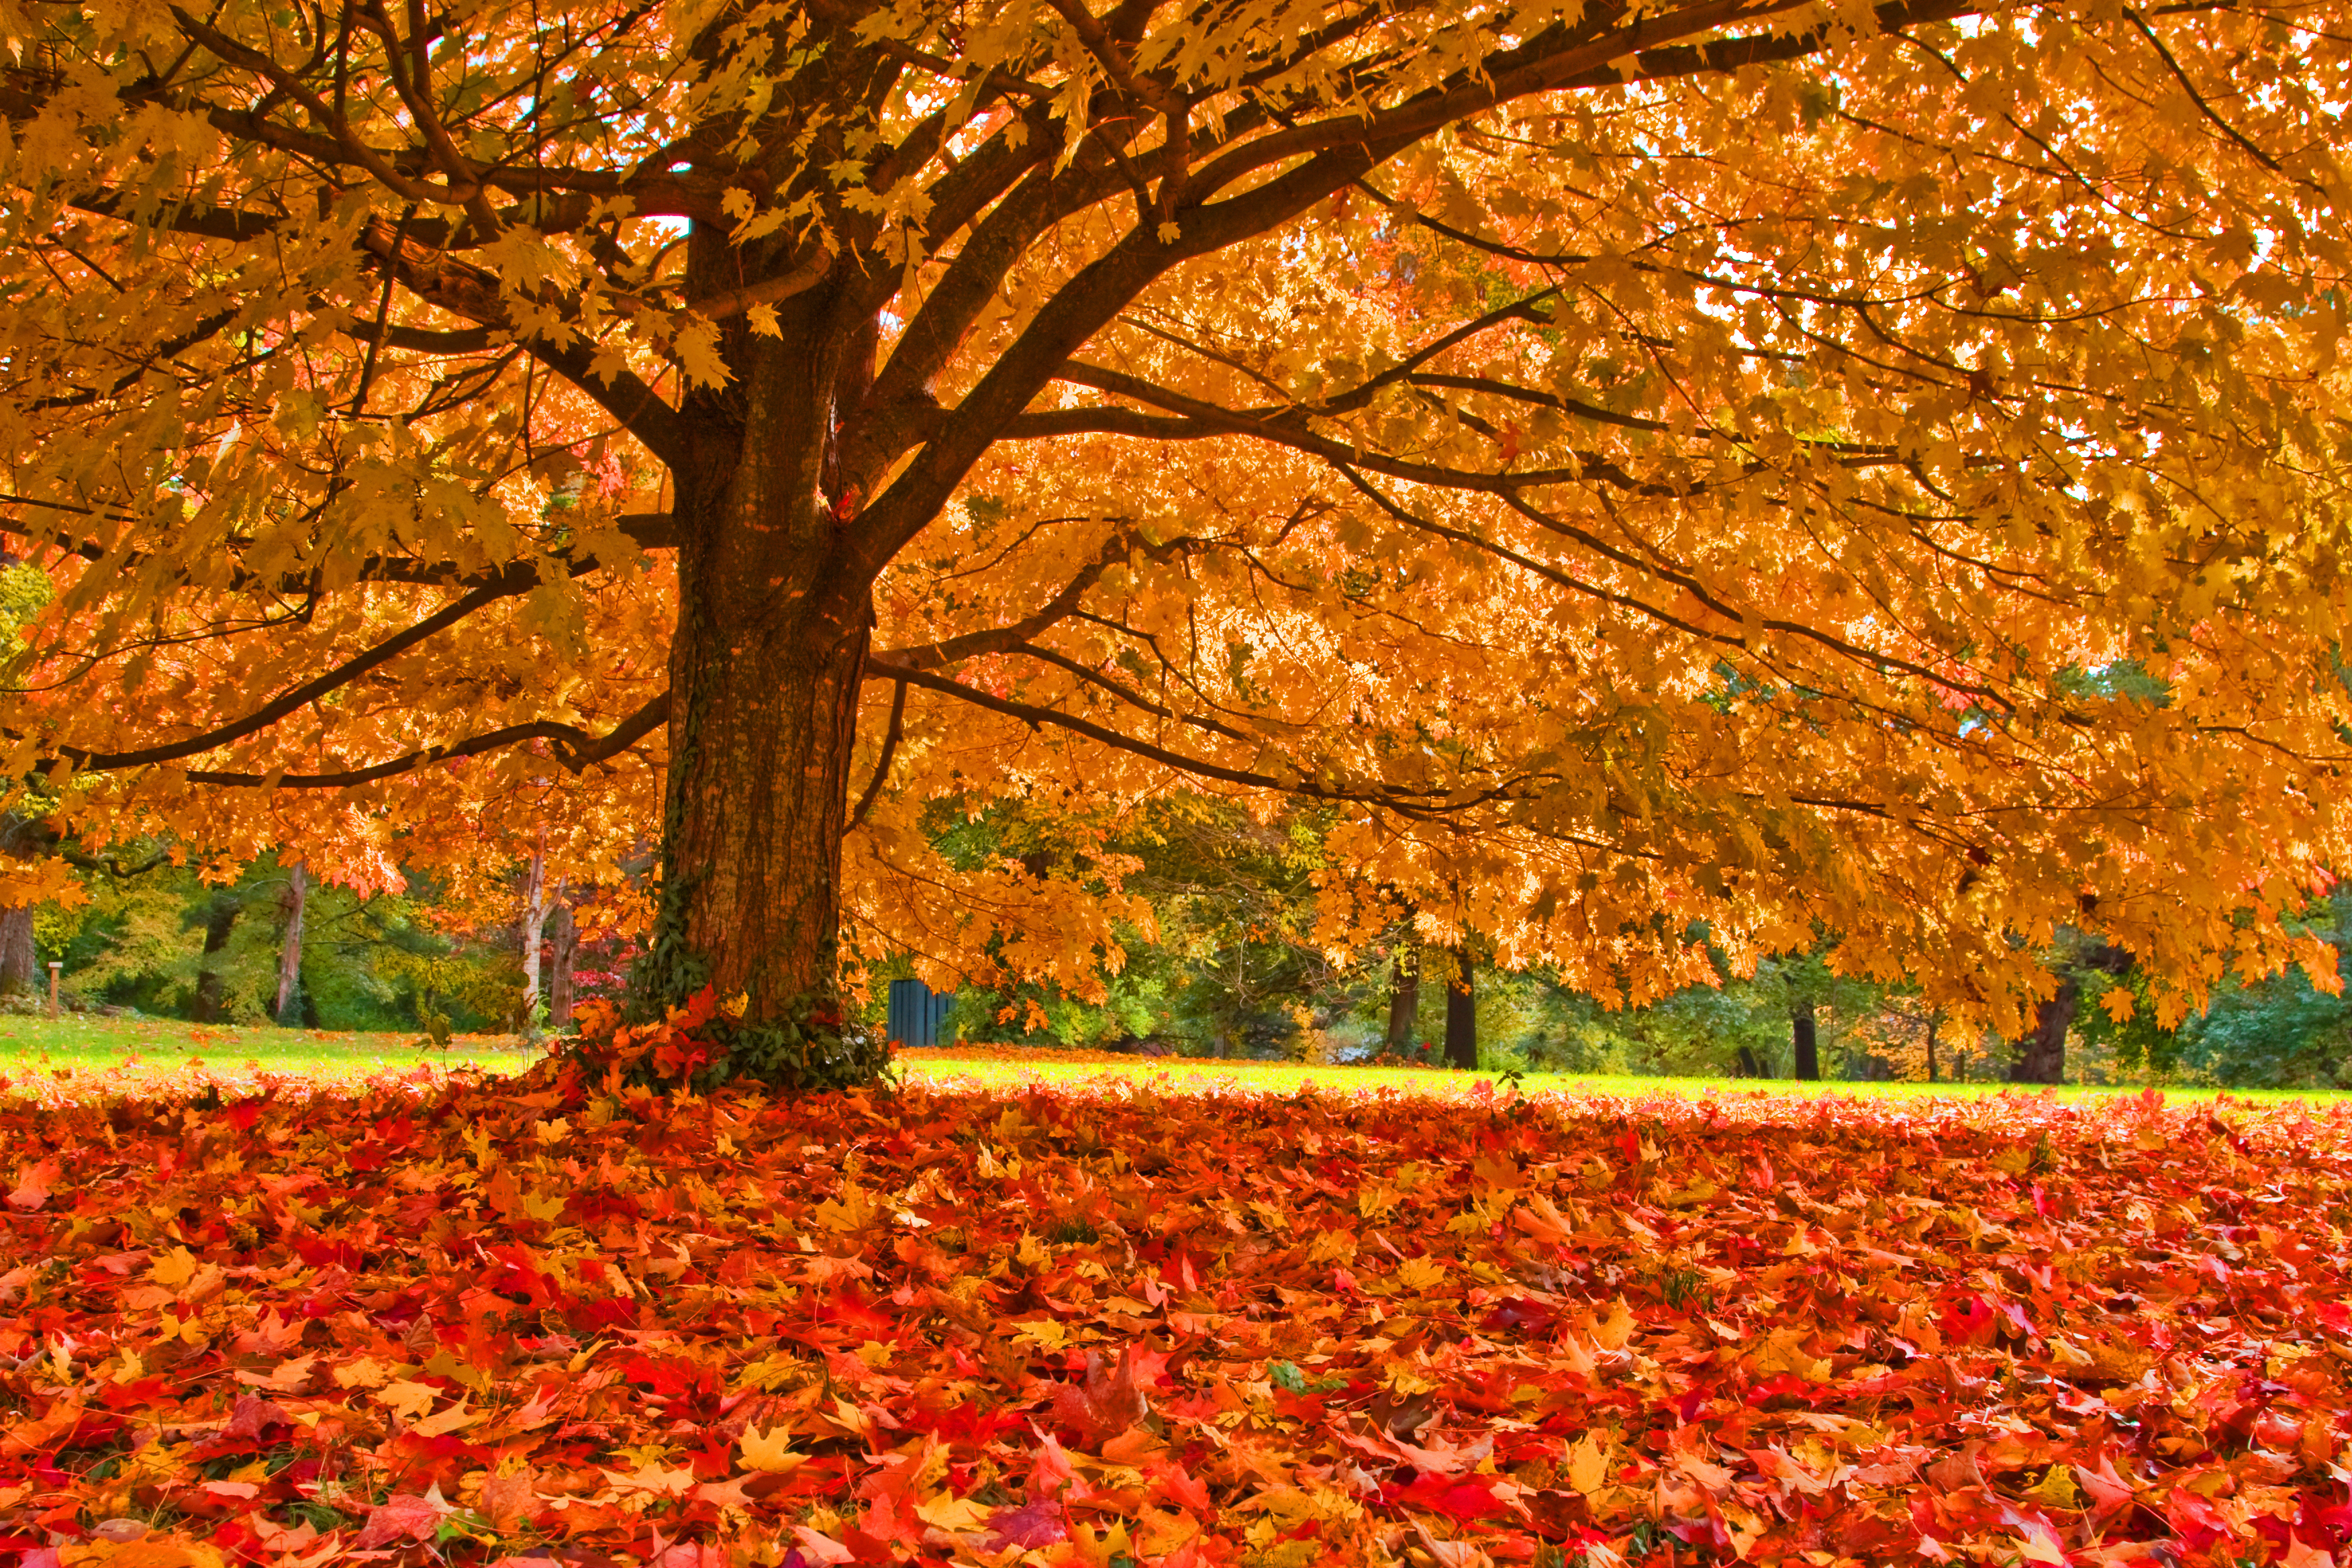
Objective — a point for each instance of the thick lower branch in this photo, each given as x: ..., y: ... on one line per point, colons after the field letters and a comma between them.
x: 574, y: 748
x: 1429, y: 803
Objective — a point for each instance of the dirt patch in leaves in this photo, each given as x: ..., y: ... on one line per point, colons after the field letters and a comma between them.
x: 528, y: 1322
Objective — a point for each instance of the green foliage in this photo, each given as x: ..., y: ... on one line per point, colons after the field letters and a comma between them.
x: 1739, y: 1027
x: 370, y: 962
x: 2277, y: 1032
x: 1234, y: 969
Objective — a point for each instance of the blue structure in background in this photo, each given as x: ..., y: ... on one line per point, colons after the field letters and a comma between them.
x: 918, y: 1015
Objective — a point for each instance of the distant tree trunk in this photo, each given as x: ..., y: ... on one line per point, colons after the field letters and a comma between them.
x: 1404, y: 1001
x: 534, y: 925
x: 211, y: 986
x: 562, y: 948
x: 1807, y: 1043
x: 1746, y: 1063
x: 17, y: 961
x: 1933, y: 1019
x: 1461, y: 1015
x: 2042, y: 1055
x: 289, y: 950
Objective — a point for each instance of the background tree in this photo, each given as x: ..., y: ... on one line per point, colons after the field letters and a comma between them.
x: 1461, y: 1010
x: 1804, y: 1040
x: 1644, y: 466
x: 1404, y: 995
x: 287, y: 1009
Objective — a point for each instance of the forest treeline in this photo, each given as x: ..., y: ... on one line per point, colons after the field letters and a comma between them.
x: 1223, y: 960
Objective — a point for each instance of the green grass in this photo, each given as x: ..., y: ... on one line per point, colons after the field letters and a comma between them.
x: 1285, y: 1078
x: 131, y: 1052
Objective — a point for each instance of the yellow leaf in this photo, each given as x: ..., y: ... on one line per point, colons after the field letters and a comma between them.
x: 455, y: 1419
x: 770, y: 1452
x: 1612, y: 1332
x: 365, y: 1372
x: 2056, y: 1489
x: 651, y: 1479
x: 1587, y: 1463
x: 1100, y: 1550
x: 1045, y: 1334
x: 2038, y: 1545
x: 174, y: 1268
x: 409, y: 1400
x: 1421, y: 1274
x: 952, y: 1515
x: 853, y: 1211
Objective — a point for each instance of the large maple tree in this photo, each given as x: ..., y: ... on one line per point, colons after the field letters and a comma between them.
x: 1792, y: 466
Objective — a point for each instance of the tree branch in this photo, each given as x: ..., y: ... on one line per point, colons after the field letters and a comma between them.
x: 474, y: 294
x: 1001, y: 639
x: 882, y: 764
x: 1428, y: 802
x: 508, y: 584
x: 574, y: 748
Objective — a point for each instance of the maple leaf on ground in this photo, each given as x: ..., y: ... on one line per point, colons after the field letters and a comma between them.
x: 404, y: 1516
x: 1031, y: 1526
x: 817, y: 1548
x: 1109, y: 1401
x: 770, y: 1451
x: 33, y: 1184
x: 251, y: 1415
x: 1450, y: 1553
x: 507, y: 1501
x: 287, y: 1377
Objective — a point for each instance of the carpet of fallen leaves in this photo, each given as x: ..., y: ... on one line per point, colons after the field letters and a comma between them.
x: 522, y: 1321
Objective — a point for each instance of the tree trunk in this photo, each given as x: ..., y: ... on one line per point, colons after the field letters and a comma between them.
x: 1404, y: 1001
x: 563, y: 950
x: 2041, y: 1056
x: 1461, y: 1015
x: 289, y: 950
x: 211, y: 986
x: 1807, y: 1043
x: 765, y: 670
x: 534, y: 926
x: 1933, y: 1019
x: 18, y: 962
x: 1746, y: 1063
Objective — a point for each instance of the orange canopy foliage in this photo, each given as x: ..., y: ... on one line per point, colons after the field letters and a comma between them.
x: 1871, y: 469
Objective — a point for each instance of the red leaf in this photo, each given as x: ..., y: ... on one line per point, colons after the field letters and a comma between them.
x: 1109, y: 1401
x: 403, y: 1517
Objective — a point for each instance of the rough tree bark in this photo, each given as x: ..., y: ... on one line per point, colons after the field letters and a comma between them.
x: 1802, y: 1034
x: 563, y: 952
x: 1461, y: 1015
x: 289, y: 950
x: 765, y: 669
x: 212, y: 984
x: 2042, y: 1055
x: 1404, y: 1001
x: 17, y: 960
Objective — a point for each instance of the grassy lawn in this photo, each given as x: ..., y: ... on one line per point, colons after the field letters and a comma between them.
x: 994, y: 1069
x: 81, y: 1051
x: 160, y: 1050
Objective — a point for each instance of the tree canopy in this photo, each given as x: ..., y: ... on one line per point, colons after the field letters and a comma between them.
x: 1760, y: 468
